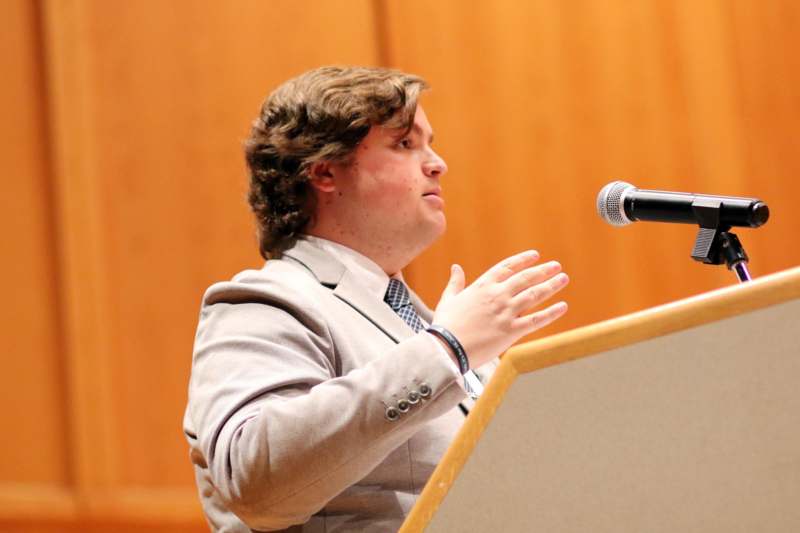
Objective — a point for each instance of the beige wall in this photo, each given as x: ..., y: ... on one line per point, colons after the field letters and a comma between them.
x: 124, y: 187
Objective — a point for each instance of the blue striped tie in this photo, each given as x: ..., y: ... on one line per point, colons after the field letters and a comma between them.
x: 399, y: 300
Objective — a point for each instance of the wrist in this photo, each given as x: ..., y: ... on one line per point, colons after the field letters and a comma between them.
x: 447, y: 349
x: 453, y: 346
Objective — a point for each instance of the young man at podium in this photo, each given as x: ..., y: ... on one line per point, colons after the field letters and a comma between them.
x: 323, y: 391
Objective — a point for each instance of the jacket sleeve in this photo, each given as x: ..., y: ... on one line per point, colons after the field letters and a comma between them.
x: 281, y: 433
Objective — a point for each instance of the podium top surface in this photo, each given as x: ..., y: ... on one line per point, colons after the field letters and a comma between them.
x: 588, y: 341
x: 657, y: 321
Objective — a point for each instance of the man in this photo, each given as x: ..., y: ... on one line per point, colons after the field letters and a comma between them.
x: 319, y: 399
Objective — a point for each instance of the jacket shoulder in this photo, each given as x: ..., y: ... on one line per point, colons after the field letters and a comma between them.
x: 278, y: 281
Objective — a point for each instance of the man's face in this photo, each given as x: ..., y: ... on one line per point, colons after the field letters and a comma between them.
x: 389, y: 194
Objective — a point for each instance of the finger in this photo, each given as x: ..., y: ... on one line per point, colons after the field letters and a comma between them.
x: 529, y: 277
x: 533, y: 296
x: 456, y: 282
x: 509, y: 266
x: 527, y: 324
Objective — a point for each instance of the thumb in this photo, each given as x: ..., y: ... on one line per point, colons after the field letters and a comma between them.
x: 456, y: 282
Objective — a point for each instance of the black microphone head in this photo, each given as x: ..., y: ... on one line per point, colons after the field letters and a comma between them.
x: 610, y: 202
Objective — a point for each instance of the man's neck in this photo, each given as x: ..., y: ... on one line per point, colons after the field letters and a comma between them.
x: 391, y: 259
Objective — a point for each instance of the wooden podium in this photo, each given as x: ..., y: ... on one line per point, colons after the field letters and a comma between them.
x: 685, y: 417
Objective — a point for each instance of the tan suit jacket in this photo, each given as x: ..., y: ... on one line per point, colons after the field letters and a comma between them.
x: 294, y: 369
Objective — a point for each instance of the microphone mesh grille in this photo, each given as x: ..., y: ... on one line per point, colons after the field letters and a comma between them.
x: 610, y: 203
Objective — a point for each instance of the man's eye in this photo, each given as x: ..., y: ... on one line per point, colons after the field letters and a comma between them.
x: 405, y: 143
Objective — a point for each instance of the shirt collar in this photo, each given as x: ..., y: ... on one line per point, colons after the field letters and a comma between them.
x: 374, y: 279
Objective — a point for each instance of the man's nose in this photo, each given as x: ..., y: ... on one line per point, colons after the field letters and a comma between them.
x: 434, y: 167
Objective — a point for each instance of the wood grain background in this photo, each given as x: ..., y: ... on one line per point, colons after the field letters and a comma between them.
x: 123, y: 194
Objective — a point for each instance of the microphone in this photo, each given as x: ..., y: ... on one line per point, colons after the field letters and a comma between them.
x: 620, y: 203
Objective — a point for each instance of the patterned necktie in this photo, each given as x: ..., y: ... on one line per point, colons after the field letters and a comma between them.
x: 398, y: 299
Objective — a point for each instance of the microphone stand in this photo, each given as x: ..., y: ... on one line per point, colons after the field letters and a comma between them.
x: 715, y: 244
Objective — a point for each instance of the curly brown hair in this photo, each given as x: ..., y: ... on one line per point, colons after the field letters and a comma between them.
x: 320, y: 115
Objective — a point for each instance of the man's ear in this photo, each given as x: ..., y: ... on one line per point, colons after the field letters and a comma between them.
x: 322, y: 177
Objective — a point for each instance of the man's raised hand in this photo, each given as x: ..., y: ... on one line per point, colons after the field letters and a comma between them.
x: 493, y: 312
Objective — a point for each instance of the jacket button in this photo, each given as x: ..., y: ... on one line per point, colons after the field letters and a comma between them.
x: 404, y: 406
x: 413, y: 397
x: 425, y: 390
x: 392, y: 413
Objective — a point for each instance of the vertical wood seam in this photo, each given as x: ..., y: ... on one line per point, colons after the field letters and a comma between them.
x: 79, y: 231
x: 56, y: 255
x: 383, y: 39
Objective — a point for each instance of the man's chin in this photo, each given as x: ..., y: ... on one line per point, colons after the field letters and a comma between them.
x: 443, y: 227
x: 434, y: 230
x: 436, y: 223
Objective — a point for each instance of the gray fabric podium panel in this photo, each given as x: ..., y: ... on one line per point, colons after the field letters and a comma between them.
x: 698, y: 430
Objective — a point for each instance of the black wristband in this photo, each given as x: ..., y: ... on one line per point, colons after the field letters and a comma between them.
x: 454, y: 345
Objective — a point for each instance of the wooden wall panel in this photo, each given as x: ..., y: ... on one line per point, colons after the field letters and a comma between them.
x: 765, y: 36
x: 32, y: 380
x: 538, y: 104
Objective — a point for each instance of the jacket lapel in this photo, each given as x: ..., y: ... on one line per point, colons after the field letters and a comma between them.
x: 374, y: 310
x: 347, y: 287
